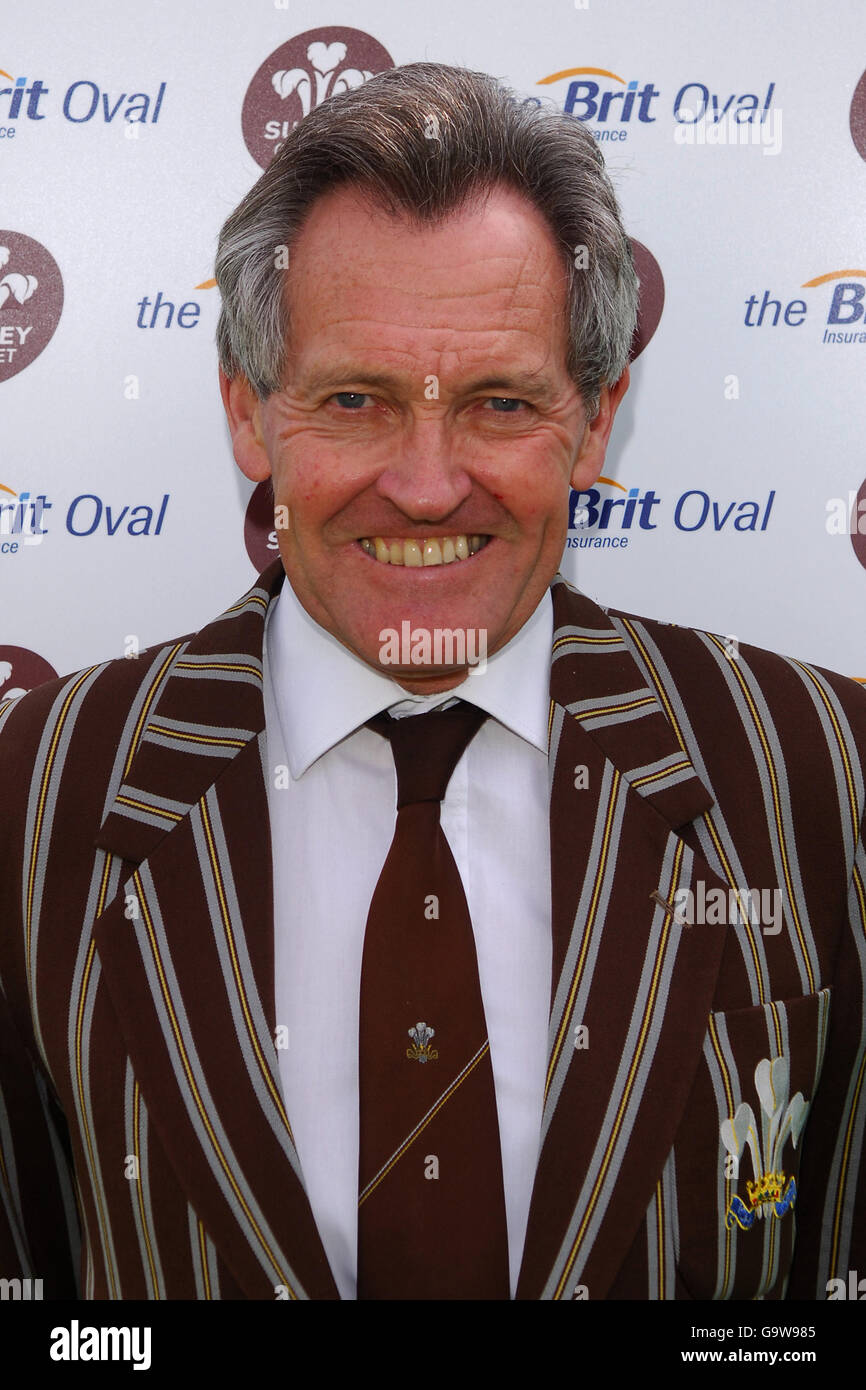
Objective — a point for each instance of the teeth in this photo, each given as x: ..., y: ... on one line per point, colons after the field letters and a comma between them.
x: 435, y: 550
x: 432, y: 553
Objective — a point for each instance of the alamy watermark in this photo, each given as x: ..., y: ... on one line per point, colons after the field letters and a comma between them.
x: 846, y: 518
x: 760, y: 907
x: 20, y: 1290
x: 439, y: 646
x: 77, y: 1343
x: 692, y: 129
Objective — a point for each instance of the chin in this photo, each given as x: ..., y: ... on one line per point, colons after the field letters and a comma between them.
x: 421, y: 681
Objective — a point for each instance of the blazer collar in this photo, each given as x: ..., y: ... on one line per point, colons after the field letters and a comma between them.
x: 596, y: 680
x: 175, y: 756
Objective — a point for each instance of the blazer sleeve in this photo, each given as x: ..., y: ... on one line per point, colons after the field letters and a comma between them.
x: 831, y: 1200
x: 38, y: 1224
x: 39, y: 1233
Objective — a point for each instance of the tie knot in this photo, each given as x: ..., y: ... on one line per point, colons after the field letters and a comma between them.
x: 427, y: 748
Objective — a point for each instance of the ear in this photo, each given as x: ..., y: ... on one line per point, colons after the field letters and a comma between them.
x: 243, y: 412
x: 590, y: 457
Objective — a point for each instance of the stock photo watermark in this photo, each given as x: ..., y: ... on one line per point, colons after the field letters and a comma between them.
x: 729, y: 129
x: 438, y: 646
x: 716, y: 907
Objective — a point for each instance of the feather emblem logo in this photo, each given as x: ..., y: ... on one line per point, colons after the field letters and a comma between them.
x: 421, y: 1051
x: 781, y: 1119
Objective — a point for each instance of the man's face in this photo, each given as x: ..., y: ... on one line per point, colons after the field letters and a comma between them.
x: 426, y: 415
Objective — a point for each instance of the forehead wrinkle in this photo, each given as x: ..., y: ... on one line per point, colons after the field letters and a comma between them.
x: 500, y: 309
x: 486, y: 275
x: 395, y: 366
x: 424, y: 307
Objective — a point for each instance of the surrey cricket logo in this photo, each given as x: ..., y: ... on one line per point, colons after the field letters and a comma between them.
x: 780, y: 1119
x: 300, y: 75
x: 31, y: 300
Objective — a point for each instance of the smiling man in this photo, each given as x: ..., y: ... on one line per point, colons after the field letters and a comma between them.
x: 413, y: 493
x: 336, y: 966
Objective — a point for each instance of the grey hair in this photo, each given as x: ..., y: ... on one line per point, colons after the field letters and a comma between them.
x: 423, y: 141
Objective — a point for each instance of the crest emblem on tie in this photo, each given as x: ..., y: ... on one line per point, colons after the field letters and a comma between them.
x: 421, y: 1051
x: 780, y: 1119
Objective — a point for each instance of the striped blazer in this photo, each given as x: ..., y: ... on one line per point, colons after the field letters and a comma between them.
x: 703, y: 1129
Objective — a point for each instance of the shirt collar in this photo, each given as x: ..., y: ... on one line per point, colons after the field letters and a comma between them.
x: 323, y: 692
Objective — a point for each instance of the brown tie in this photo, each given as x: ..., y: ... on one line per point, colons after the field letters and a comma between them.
x: 431, y: 1218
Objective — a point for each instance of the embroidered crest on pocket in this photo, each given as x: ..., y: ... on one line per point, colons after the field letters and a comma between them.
x: 781, y: 1119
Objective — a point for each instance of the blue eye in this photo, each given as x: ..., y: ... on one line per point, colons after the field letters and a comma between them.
x: 511, y: 404
x: 351, y: 400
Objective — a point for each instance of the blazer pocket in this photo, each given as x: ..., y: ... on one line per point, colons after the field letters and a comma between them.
x: 737, y: 1152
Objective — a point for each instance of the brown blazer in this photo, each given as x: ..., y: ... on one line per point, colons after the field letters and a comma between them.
x: 144, y: 1146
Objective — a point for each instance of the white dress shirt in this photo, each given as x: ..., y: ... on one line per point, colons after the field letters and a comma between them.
x: 332, y: 800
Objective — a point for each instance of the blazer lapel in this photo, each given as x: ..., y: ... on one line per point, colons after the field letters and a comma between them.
x: 187, y: 952
x: 632, y: 987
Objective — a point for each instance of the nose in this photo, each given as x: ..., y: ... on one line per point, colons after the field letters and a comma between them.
x: 424, y: 476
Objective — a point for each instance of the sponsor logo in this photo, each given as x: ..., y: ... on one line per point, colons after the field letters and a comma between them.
x: 21, y: 517
x: 591, y: 520
x: 614, y: 105
x: 31, y: 301
x: 839, y: 307
x: 301, y: 74
x: 30, y: 99
x: 599, y: 520
x: 158, y: 311
x: 21, y: 670
x: 87, y: 514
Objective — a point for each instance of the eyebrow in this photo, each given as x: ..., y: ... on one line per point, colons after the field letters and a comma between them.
x: 524, y: 384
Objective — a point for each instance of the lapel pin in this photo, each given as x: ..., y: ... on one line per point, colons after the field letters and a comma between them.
x: 670, y: 909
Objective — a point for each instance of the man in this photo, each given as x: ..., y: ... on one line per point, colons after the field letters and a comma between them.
x: 658, y: 846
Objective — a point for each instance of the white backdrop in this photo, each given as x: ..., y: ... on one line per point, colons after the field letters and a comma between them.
x: 129, y: 201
